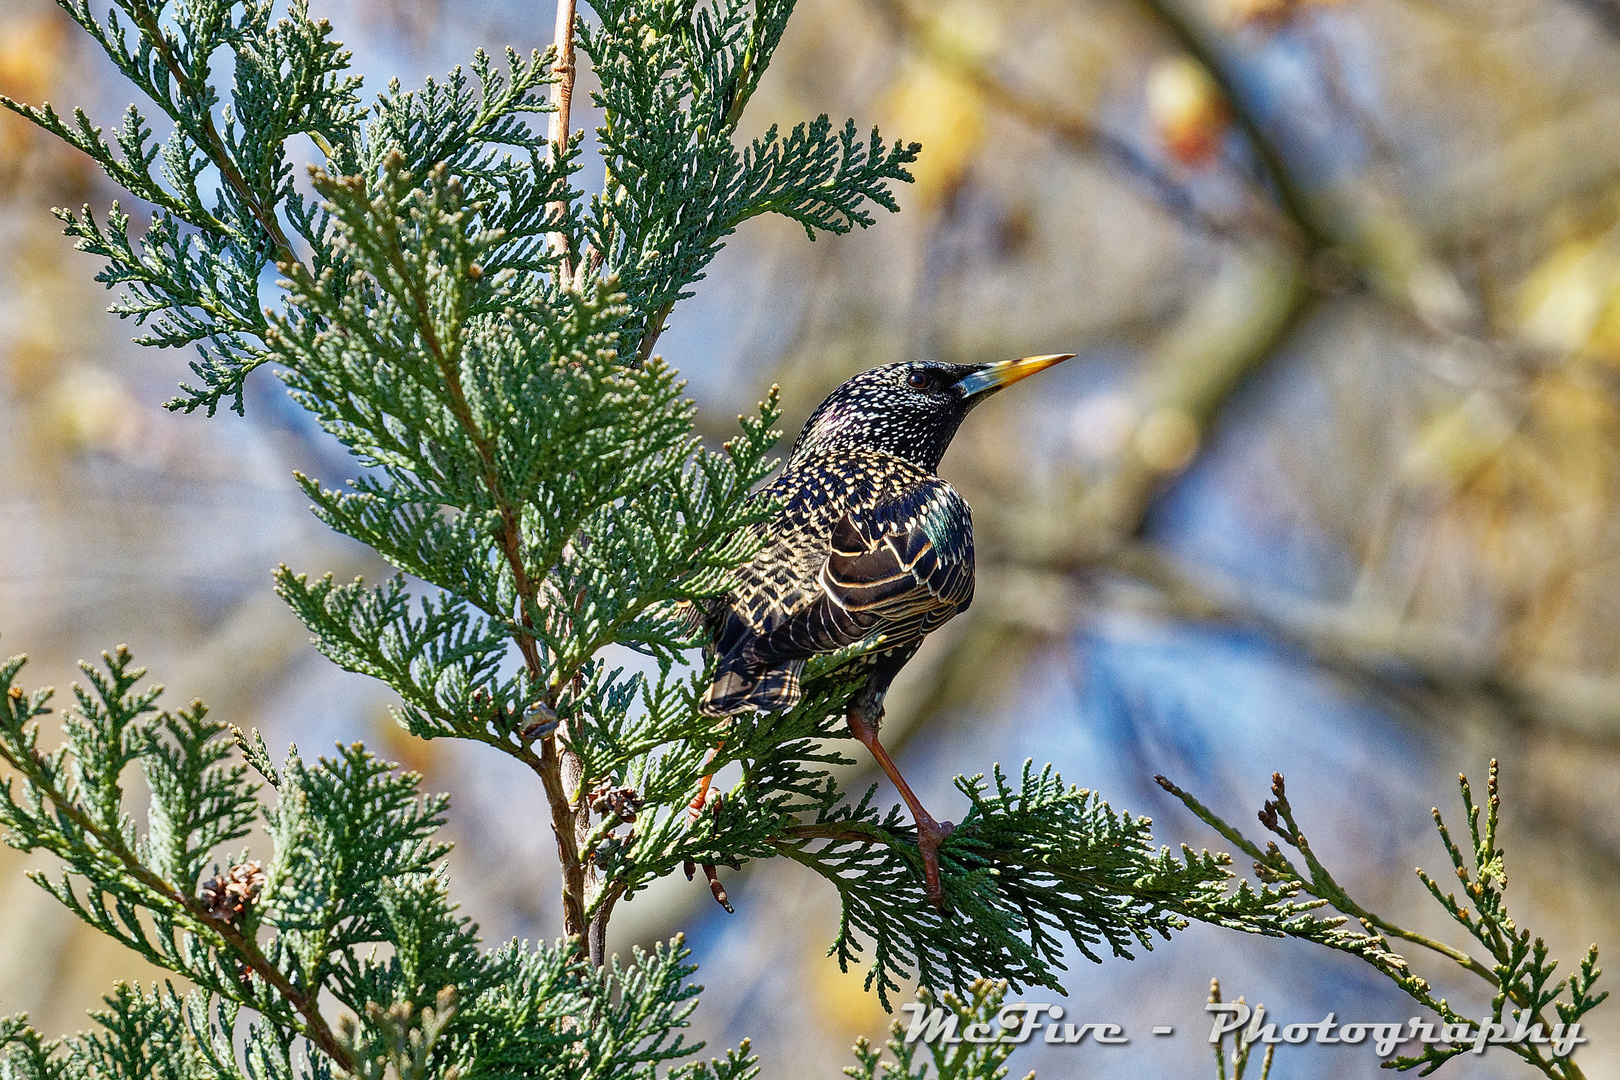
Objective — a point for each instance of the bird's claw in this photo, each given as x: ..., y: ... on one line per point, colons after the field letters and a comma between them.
x: 712, y: 876
x: 717, y: 889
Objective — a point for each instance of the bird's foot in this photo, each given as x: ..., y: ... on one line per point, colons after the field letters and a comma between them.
x: 694, y: 810
x: 712, y: 876
x: 863, y: 718
x: 712, y: 802
x: 930, y: 834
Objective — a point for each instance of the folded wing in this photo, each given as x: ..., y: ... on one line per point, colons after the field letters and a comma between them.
x: 894, y: 571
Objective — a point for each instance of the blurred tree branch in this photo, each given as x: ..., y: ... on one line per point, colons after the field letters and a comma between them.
x: 1606, y: 13
x: 1070, y: 127
x: 1275, y: 171
x: 1368, y: 644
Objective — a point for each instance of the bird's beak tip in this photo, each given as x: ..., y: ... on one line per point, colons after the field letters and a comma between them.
x: 1006, y: 372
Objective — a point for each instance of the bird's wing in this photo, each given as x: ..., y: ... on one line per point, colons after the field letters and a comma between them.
x: 898, y: 567
x: 909, y: 557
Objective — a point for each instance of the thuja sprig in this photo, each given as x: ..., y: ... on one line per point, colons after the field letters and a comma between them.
x: 675, y: 79
x: 1515, y: 966
x: 72, y: 804
x: 1037, y: 864
x: 219, y: 184
x: 352, y: 864
x: 910, y: 1059
x: 1241, y: 1048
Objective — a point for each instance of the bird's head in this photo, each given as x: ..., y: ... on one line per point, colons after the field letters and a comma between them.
x: 909, y: 410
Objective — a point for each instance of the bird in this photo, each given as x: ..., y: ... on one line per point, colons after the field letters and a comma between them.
x: 867, y: 546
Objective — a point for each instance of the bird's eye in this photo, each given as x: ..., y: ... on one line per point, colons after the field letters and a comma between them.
x: 917, y: 380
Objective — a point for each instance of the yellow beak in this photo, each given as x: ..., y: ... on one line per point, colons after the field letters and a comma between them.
x: 991, y: 377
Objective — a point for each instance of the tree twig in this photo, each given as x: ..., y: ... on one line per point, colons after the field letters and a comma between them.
x: 548, y: 764
x: 1278, y: 818
x: 562, y: 100
x: 265, y: 216
x: 655, y: 326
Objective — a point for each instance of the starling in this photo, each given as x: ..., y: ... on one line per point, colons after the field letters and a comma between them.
x: 869, y: 546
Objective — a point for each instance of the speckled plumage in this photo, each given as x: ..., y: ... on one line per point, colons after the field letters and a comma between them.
x: 866, y: 546
x: 869, y: 544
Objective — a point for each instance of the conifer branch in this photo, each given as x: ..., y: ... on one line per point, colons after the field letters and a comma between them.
x: 152, y: 33
x: 480, y: 334
x: 655, y: 327
x: 352, y: 868
x: 41, y: 774
x: 1519, y: 970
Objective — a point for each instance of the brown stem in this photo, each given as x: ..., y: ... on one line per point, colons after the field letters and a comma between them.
x: 655, y: 326
x: 568, y: 820
x: 562, y: 102
x: 564, y: 823
x: 548, y: 765
x: 599, y: 921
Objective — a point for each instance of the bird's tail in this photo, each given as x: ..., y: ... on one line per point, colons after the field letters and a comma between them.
x: 739, y: 686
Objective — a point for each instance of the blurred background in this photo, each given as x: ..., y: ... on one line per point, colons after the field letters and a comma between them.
x: 1332, y: 489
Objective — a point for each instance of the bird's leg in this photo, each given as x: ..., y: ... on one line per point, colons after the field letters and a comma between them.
x: 693, y: 812
x: 930, y: 833
x: 696, y: 807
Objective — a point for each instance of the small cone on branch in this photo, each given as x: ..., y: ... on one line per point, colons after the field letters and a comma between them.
x: 227, y: 896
